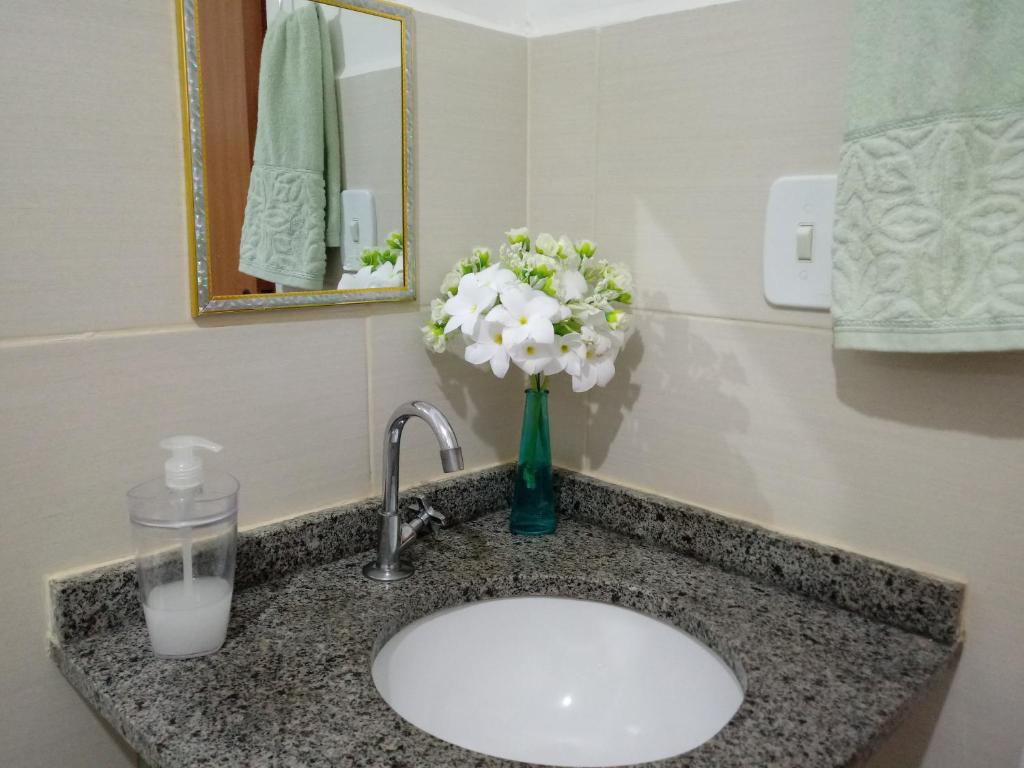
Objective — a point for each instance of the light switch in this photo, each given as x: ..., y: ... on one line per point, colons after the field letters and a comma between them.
x: 798, y: 242
x: 805, y: 242
x: 359, y: 217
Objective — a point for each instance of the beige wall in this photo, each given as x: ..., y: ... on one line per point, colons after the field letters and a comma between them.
x: 660, y: 139
x: 98, y: 354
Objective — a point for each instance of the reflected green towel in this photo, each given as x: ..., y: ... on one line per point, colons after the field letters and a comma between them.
x: 293, y: 211
x: 929, y: 240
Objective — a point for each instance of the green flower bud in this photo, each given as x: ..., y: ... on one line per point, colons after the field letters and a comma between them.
x: 482, y: 256
x: 586, y: 248
x: 519, y: 236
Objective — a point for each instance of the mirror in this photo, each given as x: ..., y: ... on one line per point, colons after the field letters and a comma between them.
x: 299, y: 163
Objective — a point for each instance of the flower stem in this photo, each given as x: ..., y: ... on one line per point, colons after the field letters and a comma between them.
x: 537, y: 381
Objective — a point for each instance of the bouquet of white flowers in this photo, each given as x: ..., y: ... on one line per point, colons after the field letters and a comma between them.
x: 545, y: 306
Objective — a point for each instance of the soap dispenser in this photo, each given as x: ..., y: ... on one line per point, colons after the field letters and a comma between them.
x: 184, y: 526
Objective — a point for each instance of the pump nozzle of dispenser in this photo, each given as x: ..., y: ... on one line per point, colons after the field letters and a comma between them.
x: 183, y: 474
x: 184, y: 469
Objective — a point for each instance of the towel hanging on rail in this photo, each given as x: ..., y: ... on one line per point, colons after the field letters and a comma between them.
x: 929, y: 235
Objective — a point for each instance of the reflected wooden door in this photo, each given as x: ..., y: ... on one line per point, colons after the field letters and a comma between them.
x: 230, y: 43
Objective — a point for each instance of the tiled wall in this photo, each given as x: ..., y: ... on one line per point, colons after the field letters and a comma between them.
x: 660, y: 138
x: 99, y: 357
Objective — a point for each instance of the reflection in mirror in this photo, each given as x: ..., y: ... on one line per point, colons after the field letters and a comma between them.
x: 303, y: 176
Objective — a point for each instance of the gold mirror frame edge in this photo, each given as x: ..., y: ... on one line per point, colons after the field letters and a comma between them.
x: 188, y: 40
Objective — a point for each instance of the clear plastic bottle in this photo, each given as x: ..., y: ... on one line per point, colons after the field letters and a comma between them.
x: 184, y: 525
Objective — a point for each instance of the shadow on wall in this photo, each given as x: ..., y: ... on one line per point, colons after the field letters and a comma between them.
x: 972, y: 393
x: 673, y: 431
x: 608, y: 407
x: 475, y: 394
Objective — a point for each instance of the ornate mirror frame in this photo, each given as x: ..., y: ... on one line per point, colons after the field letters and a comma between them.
x: 203, y: 302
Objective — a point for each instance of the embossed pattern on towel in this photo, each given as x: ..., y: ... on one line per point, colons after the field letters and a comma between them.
x: 930, y: 227
x: 284, y: 223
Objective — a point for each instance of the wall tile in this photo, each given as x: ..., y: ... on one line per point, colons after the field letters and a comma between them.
x: 470, y: 140
x: 563, y: 133
x: 94, y: 227
x: 94, y: 408
x: 698, y: 113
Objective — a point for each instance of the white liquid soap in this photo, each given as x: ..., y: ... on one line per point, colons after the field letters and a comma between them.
x: 184, y: 525
x: 188, y: 618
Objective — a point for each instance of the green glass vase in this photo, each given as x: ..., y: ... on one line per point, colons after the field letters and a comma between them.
x: 533, y: 501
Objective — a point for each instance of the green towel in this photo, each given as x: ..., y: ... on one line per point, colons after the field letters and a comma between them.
x: 293, y: 211
x: 929, y: 238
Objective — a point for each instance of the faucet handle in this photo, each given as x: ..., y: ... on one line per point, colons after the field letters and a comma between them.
x: 424, y: 516
x: 437, y: 517
x: 416, y: 505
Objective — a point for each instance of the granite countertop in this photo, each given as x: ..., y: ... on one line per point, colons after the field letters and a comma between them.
x: 832, y: 648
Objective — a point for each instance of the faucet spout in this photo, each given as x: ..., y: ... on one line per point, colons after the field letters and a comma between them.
x: 451, y: 459
x: 388, y: 566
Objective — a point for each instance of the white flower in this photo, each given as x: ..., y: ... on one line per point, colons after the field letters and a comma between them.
x: 450, y: 284
x: 534, y: 357
x: 513, y: 257
x: 489, y: 347
x: 570, y: 352
x: 497, y: 277
x: 546, y: 306
x: 546, y: 244
x: 520, y: 236
x: 583, y: 311
x: 437, y: 313
x: 572, y: 285
x: 434, y: 338
x: 542, y: 265
x: 619, y: 321
x: 360, y: 279
x: 600, y: 339
x: 595, y: 369
x: 465, y: 307
x: 616, y: 280
x: 387, y: 275
x: 598, y: 304
x: 526, y: 313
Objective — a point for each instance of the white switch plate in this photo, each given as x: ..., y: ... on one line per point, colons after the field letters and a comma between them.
x: 358, y: 226
x: 795, y: 203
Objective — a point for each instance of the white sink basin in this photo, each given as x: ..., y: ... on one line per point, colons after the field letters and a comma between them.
x: 557, y: 681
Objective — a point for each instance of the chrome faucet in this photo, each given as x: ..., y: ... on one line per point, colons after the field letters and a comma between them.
x: 394, y: 534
